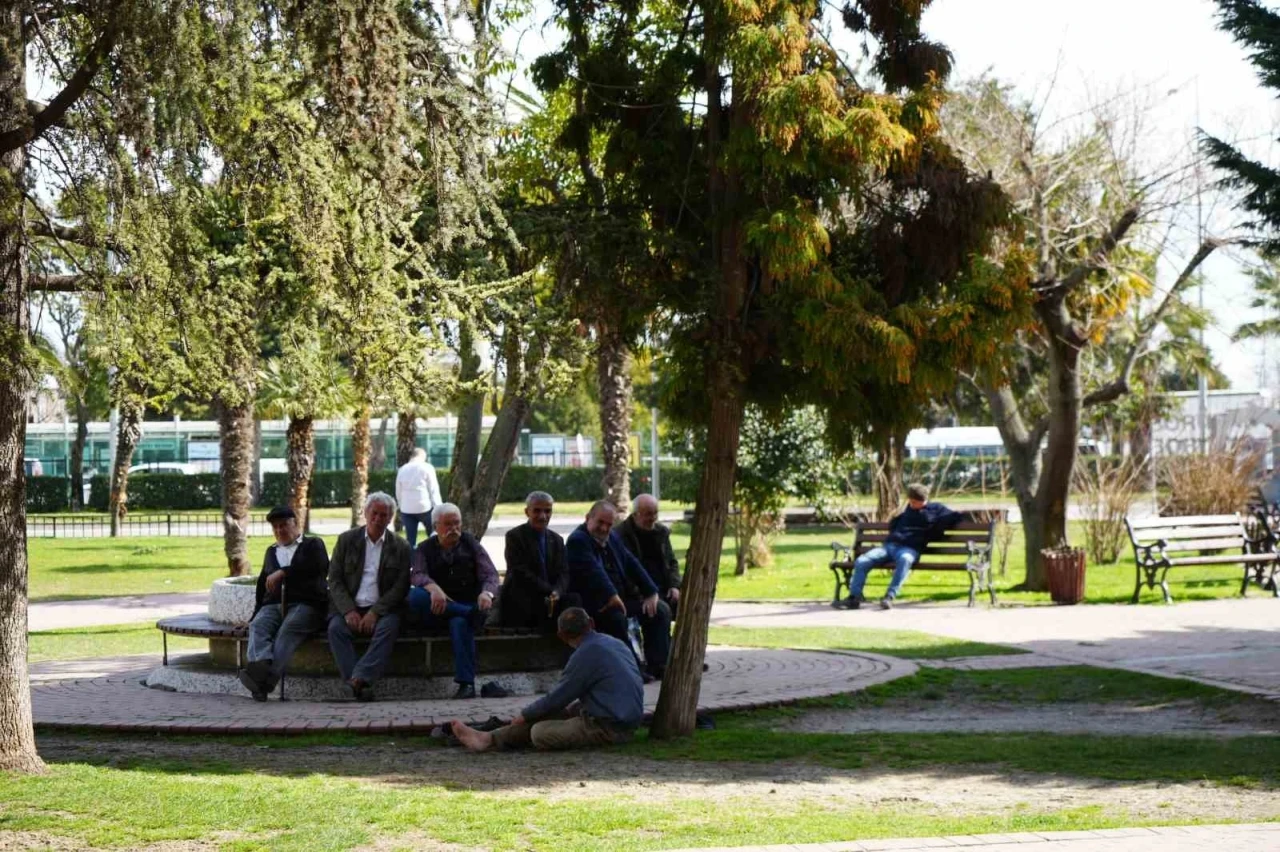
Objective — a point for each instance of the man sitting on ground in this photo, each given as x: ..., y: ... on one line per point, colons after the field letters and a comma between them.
x: 650, y: 542
x: 290, y: 604
x: 614, y: 586
x: 535, y: 590
x: 453, y: 582
x: 601, y: 676
x: 368, y: 581
x: 909, y: 533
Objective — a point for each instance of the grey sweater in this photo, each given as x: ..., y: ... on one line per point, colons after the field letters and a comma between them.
x: 602, y: 673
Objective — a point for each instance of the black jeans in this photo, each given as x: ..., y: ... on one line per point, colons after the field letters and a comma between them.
x: 656, y: 630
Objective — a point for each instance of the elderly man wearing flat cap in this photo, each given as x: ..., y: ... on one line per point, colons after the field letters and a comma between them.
x: 292, y: 598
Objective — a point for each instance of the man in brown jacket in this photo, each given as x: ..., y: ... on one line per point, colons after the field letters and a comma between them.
x: 368, y: 582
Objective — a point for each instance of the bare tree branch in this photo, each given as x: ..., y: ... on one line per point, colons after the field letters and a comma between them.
x: 1097, y: 259
x: 15, y: 138
x: 1119, y: 386
x: 78, y: 283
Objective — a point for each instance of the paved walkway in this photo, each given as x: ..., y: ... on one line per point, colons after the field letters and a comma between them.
x: 108, y: 694
x: 1227, y: 643
x: 1256, y: 837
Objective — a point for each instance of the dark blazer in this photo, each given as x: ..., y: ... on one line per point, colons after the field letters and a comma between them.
x: 347, y: 567
x: 666, y: 575
x: 599, y: 572
x: 528, y: 581
x: 304, y: 578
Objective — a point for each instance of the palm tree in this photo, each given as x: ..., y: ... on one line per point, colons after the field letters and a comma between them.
x: 305, y: 382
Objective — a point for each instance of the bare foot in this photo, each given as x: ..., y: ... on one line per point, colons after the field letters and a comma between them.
x: 470, y: 738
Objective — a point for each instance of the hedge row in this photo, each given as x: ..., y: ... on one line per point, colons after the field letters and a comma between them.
x: 48, y: 494
x: 577, y: 484
x: 162, y: 491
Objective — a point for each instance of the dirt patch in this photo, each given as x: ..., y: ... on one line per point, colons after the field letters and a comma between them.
x: 1110, y: 719
x: 765, y: 787
x: 22, y: 841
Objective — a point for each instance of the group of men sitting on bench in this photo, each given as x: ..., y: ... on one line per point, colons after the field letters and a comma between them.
x: 374, y: 584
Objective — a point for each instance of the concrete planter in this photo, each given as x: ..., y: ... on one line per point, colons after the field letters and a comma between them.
x: 231, y: 600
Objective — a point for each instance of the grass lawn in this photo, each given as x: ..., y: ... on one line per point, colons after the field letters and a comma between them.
x: 63, y: 569
x: 895, y: 643
x: 112, y: 640
x: 344, y: 791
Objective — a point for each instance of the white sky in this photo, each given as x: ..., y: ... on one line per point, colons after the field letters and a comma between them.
x: 1068, y: 54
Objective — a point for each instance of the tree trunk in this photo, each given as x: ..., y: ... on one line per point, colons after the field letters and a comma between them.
x: 613, y: 367
x: 378, y: 455
x: 77, y: 455
x: 504, y: 439
x: 128, y: 434
x: 301, y: 443
x: 359, y: 463
x: 677, y: 708
x: 888, y: 482
x: 406, y: 436
x: 17, y: 738
x: 235, y: 427
x: 466, y: 443
x: 1059, y: 460
x: 255, y: 478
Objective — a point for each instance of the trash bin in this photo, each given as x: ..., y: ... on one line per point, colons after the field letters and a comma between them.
x: 1064, y: 568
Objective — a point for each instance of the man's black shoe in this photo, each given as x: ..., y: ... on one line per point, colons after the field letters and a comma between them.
x: 493, y: 689
x: 465, y: 690
x: 886, y: 603
x: 852, y: 602
x: 255, y: 688
x: 360, y: 690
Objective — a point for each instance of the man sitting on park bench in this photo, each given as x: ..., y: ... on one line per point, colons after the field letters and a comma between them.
x: 909, y: 533
x: 614, y: 586
x: 598, y: 701
x: 453, y: 583
x: 368, y: 581
x: 535, y: 590
x: 650, y: 542
x: 290, y: 602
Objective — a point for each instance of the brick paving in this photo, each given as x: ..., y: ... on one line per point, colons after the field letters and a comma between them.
x: 1226, y: 643
x: 108, y: 694
x: 1252, y: 837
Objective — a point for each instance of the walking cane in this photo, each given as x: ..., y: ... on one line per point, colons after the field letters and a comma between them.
x: 284, y: 585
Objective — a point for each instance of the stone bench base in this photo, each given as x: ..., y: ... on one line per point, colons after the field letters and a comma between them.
x: 195, y: 673
x: 497, y: 650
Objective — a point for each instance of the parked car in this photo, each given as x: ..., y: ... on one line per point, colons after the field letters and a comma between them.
x: 164, y: 467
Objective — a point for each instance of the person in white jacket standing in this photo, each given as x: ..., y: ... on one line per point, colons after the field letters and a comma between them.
x: 417, y: 492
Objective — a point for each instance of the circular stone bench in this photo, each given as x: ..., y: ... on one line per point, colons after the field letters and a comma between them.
x: 498, y: 649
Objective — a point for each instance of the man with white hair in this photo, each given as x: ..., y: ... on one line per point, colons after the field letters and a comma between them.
x: 453, y: 583
x: 368, y: 581
x: 650, y: 542
x: 418, y: 492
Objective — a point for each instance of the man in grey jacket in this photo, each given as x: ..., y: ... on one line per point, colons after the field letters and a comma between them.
x: 598, y: 701
x: 368, y: 583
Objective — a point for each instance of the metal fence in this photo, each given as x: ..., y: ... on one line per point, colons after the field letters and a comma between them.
x: 168, y: 524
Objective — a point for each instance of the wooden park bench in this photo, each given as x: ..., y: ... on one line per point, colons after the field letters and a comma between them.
x: 1168, y: 542
x: 965, y: 547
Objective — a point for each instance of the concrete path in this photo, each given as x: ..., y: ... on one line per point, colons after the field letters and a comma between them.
x: 1227, y: 643
x: 1257, y: 837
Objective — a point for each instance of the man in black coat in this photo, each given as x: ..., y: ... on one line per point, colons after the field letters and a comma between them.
x: 536, y: 588
x: 650, y: 542
x: 291, y: 600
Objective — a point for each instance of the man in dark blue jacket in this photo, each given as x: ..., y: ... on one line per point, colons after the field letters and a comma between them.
x: 614, y: 586
x: 909, y: 533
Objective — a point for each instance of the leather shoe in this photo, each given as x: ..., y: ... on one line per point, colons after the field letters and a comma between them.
x: 360, y: 690
x: 886, y: 603
x: 852, y: 602
x: 255, y: 688
x: 465, y: 690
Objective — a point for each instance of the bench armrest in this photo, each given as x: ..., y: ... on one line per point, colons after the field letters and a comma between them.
x: 841, y: 552
x: 1151, y: 554
x: 979, y: 554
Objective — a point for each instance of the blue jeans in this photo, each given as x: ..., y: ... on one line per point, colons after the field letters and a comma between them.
x: 461, y: 620
x: 411, y: 521
x: 901, y: 557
